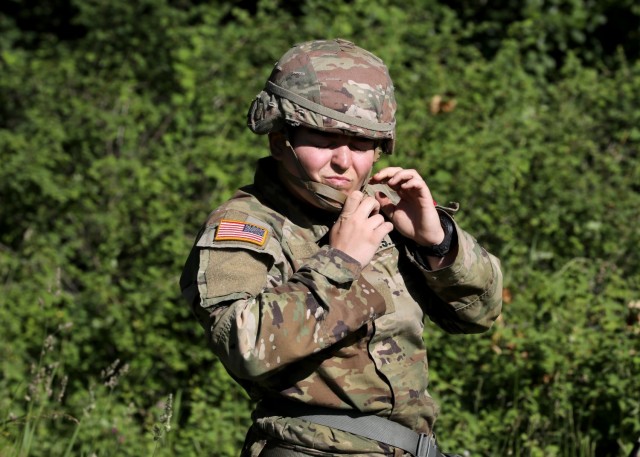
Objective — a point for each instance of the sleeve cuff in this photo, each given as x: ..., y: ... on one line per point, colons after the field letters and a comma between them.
x: 335, y: 265
x: 470, y: 253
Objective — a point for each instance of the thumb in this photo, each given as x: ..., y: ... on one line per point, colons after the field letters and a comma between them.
x: 386, y: 205
x: 351, y: 203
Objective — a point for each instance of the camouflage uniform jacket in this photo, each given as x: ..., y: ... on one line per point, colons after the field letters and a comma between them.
x: 289, y: 316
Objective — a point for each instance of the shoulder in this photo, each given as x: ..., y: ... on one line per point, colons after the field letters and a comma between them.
x: 243, y: 222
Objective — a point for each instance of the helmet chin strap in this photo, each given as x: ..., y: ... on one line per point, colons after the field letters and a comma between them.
x: 324, y: 196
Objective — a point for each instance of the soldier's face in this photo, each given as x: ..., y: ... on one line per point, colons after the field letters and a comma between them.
x: 340, y: 161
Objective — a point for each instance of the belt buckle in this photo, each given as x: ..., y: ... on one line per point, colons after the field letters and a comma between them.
x: 426, y: 446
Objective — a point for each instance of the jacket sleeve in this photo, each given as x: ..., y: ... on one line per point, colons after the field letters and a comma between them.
x: 259, y: 318
x: 467, y: 295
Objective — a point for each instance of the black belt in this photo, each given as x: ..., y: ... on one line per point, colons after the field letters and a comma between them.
x: 366, y: 425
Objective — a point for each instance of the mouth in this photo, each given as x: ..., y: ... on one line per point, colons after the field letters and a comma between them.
x: 337, y: 182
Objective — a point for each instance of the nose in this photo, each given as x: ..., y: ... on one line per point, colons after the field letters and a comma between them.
x: 341, y: 158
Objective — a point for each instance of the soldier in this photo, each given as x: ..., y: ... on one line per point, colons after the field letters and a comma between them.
x: 312, y: 284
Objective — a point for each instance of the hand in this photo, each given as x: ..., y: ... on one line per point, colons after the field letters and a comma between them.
x: 415, y: 215
x: 360, y: 228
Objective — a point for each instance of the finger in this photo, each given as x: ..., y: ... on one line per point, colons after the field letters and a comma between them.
x: 403, y: 176
x: 368, y: 206
x: 351, y: 204
x: 377, y: 228
x: 383, y: 229
x: 376, y: 221
x: 412, y: 186
x: 385, y: 174
x: 382, y: 198
x: 412, y: 183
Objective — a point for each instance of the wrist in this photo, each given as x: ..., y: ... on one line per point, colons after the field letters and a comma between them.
x: 424, y: 242
x: 441, y: 249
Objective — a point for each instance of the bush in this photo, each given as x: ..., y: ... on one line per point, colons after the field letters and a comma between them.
x: 122, y: 125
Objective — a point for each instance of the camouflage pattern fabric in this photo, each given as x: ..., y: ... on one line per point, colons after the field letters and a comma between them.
x: 329, y: 85
x: 292, y: 318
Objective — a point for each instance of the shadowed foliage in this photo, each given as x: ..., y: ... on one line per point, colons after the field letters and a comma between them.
x: 122, y: 124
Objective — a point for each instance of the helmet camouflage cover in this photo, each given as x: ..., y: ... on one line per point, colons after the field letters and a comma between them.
x: 328, y: 85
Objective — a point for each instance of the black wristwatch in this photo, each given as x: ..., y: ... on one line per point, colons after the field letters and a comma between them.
x: 440, y: 250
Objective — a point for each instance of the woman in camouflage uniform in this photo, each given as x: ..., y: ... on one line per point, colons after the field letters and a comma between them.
x: 313, y: 283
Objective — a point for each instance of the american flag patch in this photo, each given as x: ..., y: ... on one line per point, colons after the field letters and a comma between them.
x: 229, y: 230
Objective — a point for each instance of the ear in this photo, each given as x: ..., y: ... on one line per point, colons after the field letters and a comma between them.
x: 277, y: 144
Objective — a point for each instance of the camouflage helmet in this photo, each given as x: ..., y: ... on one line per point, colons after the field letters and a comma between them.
x: 328, y: 85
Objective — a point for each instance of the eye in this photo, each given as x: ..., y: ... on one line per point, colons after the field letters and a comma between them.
x: 321, y: 141
x: 362, y: 145
x: 324, y: 143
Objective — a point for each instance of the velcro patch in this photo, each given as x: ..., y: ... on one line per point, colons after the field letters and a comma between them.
x: 229, y: 230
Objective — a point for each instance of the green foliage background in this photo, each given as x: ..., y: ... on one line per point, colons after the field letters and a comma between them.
x: 122, y: 123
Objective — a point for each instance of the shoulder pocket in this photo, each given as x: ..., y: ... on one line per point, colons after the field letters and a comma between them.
x: 235, y: 229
